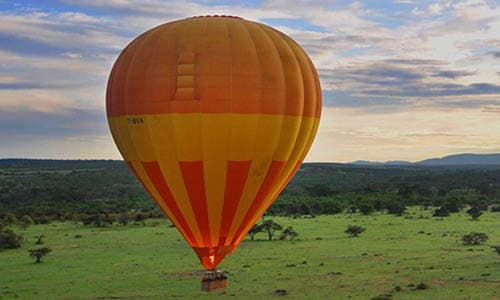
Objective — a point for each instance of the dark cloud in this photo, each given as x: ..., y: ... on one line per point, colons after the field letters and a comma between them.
x: 25, y: 46
x: 52, y: 84
x: 415, y: 62
x: 405, y: 78
x: 452, y: 74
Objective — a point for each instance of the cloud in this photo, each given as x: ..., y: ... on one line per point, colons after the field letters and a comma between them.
x: 377, y: 64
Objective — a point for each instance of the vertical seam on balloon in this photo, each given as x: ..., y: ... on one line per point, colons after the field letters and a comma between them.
x: 126, y: 111
x: 177, y: 156
x: 256, y: 27
x: 155, y: 152
x: 265, y: 204
x: 200, y: 120
x: 266, y: 31
x: 270, y: 41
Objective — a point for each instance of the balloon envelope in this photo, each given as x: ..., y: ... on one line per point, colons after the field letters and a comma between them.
x: 213, y: 115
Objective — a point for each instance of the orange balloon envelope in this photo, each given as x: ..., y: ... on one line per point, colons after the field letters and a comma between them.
x: 213, y: 115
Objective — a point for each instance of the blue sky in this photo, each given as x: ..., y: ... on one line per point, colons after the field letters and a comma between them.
x: 401, y: 79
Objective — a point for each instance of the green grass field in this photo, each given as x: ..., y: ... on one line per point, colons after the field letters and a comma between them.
x: 153, y: 262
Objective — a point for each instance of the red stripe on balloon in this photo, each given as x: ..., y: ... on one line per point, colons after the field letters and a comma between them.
x: 275, y: 195
x: 236, y: 177
x: 155, y: 175
x: 273, y: 174
x: 192, y: 173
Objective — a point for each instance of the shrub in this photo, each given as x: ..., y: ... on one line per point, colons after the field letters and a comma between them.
x: 395, y: 207
x: 497, y: 249
x: 10, y: 240
x: 39, y: 253
x: 98, y: 220
x: 289, y: 232
x: 9, y: 219
x: 365, y: 207
x: 26, y: 221
x: 123, y: 219
x: 441, y: 212
x: 39, y: 240
x: 474, y: 238
x: 354, y: 230
x: 43, y: 219
x: 474, y: 212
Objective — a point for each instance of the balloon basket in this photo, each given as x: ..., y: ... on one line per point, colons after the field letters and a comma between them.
x: 213, y: 280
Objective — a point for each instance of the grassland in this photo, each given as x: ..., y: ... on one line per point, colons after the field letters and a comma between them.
x: 153, y: 262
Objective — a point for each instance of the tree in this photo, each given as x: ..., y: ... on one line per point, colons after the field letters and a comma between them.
x: 474, y: 238
x: 474, y: 212
x: 365, y: 206
x: 289, y: 232
x: 124, y: 219
x: 270, y: 227
x: 9, y: 219
x: 39, y: 253
x: 441, y: 212
x: 26, y: 221
x: 255, y: 229
x: 395, y: 207
x: 354, y: 230
x: 319, y: 190
x: 9, y: 239
x: 98, y: 220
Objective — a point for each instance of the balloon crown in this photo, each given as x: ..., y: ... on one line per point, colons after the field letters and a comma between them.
x: 218, y: 16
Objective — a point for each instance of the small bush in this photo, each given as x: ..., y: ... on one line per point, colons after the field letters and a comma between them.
x: 354, y: 230
x: 26, y: 221
x: 39, y: 240
x: 474, y: 238
x: 382, y: 297
x: 421, y: 286
x: 474, y: 212
x: 123, y: 219
x: 441, y: 212
x: 10, y: 240
x: 289, y: 232
x: 497, y: 249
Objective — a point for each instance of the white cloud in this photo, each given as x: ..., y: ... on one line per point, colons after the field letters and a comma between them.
x: 428, y: 63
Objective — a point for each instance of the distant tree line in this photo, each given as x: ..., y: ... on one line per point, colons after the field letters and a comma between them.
x: 102, y: 192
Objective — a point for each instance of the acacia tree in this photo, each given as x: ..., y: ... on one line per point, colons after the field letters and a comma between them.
x: 255, y: 229
x: 270, y: 227
x: 39, y: 253
x: 474, y: 238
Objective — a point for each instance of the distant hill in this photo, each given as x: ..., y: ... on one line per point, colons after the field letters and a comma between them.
x: 465, y: 159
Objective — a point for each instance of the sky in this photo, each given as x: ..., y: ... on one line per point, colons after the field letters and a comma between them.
x: 401, y: 79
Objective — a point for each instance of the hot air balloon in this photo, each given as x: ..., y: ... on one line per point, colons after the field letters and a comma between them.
x: 213, y: 115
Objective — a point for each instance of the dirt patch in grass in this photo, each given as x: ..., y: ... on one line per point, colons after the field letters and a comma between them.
x: 64, y: 246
